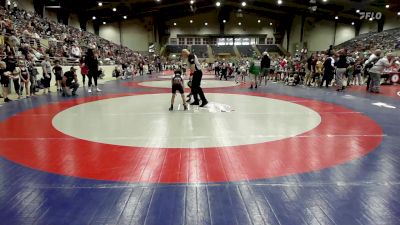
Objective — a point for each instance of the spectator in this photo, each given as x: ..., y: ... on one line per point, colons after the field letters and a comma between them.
x: 58, y: 73
x: 341, y: 68
x: 24, y: 78
x: 75, y: 51
x: 329, y: 69
x: 93, y: 65
x: 84, y: 69
x: 265, y: 67
x: 46, y: 66
x: 369, y: 64
x: 254, y: 70
x: 30, y: 64
x: 5, y: 80
x: 377, y: 70
x: 70, y: 82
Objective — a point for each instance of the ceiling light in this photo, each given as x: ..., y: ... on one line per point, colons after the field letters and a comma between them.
x: 324, y: 0
x: 240, y: 24
x: 93, y: 17
x: 125, y: 17
x: 224, y: 21
x: 100, y: 4
x: 158, y: 0
x: 398, y: 13
x: 336, y: 17
x: 191, y: 21
x: 191, y: 2
x: 357, y: 11
x: 174, y: 24
x: 370, y: 19
x: 205, y: 24
x: 258, y: 21
x: 114, y: 9
x: 218, y: 4
x: 270, y: 24
x: 244, y: 4
x: 280, y: 2
x: 352, y: 23
x: 387, y: 6
x: 104, y: 23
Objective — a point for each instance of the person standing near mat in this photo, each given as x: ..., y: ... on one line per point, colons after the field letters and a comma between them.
x: 329, y: 70
x: 84, y: 69
x: 24, y: 78
x: 58, y: 72
x: 93, y: 65
x: 373, y: 58
x: 224, y: 70
x: 341, y: 67
x: 177, y: 85
x: 265, y: 67
x: 46, y: 66
x: 196, y: 74
x: 5, y: 77
x: 254, y: 70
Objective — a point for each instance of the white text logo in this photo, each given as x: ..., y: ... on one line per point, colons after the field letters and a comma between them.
x: 370, y: 15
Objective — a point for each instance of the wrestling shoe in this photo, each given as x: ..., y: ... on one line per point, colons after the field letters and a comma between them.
x: 204, y: 103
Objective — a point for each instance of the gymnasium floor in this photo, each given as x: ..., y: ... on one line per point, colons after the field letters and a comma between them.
x: 277, y: 155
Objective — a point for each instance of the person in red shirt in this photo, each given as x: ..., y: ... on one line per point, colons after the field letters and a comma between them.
x: 282, y: 68
x: 84, y: 69
x: 282, y: 63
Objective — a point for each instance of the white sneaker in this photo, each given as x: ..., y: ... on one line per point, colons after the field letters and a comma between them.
x: 90, y: 89
x: 97, y: 89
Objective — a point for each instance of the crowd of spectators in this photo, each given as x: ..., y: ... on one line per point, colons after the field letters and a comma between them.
x: 27, y: 40
x: 37, y: 36
x: 388, y: 40
x: 337, y: 68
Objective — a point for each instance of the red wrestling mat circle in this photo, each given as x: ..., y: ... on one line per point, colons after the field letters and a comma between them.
x: 30, y: 139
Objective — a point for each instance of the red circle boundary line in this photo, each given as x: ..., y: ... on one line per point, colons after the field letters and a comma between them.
x: 30, y: 139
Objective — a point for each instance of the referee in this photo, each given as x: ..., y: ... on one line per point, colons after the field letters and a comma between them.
x: 196, y: 75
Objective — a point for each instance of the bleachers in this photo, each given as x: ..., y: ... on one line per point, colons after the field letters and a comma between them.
x: 175, y: 48
x: 200, y: 51
x: 223, y: 49
x: 269, y: 48
x: 35, y: 36
x: 246, y: 50
x: 386, y: 40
